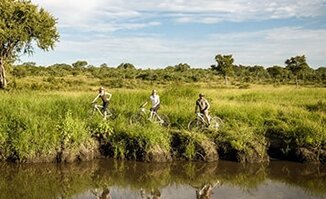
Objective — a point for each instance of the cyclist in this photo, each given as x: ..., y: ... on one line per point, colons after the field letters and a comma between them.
x: 205, y: 192
x: 155, y: 193
x: 104, y: 195
x: 203, y: 106
x: 105, y: 97
x: 155, y: 99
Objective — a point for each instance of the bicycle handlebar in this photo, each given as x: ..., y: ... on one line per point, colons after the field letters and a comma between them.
x: 199, y: 114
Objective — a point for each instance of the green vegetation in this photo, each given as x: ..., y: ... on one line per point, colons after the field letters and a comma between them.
x: 298, y: 66
x: 23, y: 25
x: 37, y: 126
x: 224, y: 66
x: 81, y: 76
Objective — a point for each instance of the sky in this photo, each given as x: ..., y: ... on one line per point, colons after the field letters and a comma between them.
x: 160, y: 33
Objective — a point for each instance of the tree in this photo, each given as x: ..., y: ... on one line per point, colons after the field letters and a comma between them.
x: 182, y: 67
x: 321, y: 74
x: 79, y: 64
x: 104, y: 65
x: 298, y: 66
x: 276, y: 72
x: 224, y: 66
x: 23, y: 24
x: 258, y: 72
x: 126, y: 66
x: 169, y: 68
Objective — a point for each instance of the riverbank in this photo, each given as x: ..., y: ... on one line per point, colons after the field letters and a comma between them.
x: 259, y: 124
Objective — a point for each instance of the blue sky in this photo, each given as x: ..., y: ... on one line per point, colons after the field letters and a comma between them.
x: 158, y: 33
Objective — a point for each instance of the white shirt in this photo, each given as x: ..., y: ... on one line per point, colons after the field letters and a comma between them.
x: 155, y: 100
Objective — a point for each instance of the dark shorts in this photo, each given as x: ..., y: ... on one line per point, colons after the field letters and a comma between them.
x: 105, y: 106
x: 155, y: 108
x: 203, y: 111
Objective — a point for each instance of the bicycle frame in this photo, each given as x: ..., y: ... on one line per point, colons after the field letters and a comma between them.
x: 152, y: 114
x: 200, y: 122
x: 99, y: 108
x: 201, y: 117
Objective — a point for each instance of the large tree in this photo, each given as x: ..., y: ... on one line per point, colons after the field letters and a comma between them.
x: 224, y: 66
x: 298, y: 66
x: 22, y: 25
x: 126, y: 66
x: 79, y: 64
x: 276, y: 72
x: 259, y: 72
x: 182, y: 67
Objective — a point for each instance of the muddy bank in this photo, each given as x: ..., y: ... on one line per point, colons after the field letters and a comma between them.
x: 287, y: 148
x: 195, y: 146
x: 184, y: 145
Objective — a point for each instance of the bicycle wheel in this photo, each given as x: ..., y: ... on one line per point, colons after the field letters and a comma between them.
x: 216, y: 123
x: 111, y: 114
x: 137, y: 118
x: 195, y: 124
x: 165, y: 121
x: 91, y: 113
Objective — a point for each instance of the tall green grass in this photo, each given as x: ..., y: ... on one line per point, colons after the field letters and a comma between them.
x: 34, y: 124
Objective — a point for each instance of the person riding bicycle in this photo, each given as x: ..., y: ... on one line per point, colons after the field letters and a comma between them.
x: 155, y: 99
x: 105, y: 97
x: 104, y: 195
x: 203, y: 106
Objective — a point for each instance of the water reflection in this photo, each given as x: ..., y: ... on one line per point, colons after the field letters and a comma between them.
x: 106, y: 179
x: 104, y: 195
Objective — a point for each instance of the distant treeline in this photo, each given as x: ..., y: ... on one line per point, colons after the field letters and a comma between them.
x: 238, y: 75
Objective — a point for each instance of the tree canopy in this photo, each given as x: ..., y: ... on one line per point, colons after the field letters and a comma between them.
x: 80, y: 64
x: 224, y: 65
x: 182, y: 67
x: 126, y: 66
x: 297, y: 65
x: 23, y: 24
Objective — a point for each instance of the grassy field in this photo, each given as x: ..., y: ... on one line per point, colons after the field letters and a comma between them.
x: 38, y: 124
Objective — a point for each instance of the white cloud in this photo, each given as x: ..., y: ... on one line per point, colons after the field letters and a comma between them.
x: 274, y: 46
x: 85, y: 13
x: 81, y: 13
x: 87, y: 28
x: 267, y: 48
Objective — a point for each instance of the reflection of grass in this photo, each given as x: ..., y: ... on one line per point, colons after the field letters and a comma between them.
x: 42, y: 181
x: 310, y: 178
x: 248, y: 177
x: 52, y: 181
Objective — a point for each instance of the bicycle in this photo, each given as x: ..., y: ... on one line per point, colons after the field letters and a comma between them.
x: 200, y: 123
x: 106, y: 194
x: 144, y: 115
x: 99, y: 108
x: 206, y: 191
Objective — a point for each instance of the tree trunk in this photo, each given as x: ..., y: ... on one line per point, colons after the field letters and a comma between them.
x: 226, y: 80
x: 3, y: 81
x: 296, y: 82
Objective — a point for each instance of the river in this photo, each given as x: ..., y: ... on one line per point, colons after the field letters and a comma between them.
x: 176, y: 180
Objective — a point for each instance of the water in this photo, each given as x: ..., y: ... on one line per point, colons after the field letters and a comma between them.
x: 177, y: 180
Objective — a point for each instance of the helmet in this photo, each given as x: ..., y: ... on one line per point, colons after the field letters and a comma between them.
x: 201, y: 95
